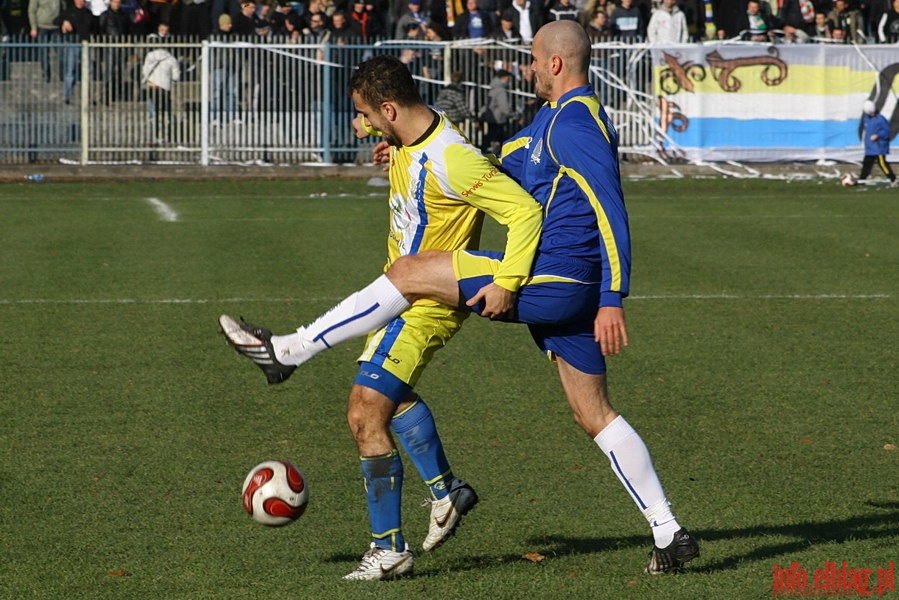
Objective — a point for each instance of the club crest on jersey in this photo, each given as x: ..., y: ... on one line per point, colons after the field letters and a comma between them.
x: 537, y: 152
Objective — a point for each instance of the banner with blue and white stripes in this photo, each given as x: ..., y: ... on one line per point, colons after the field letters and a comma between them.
x: 771, y: 103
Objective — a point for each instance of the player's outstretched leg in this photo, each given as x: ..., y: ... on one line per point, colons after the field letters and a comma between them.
x: 356, y: 315
x: 255, y: 343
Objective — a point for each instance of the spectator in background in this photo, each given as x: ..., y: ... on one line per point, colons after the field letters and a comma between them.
x: 195, y: 18
x: 694, y: 13
x: 159, y: 73
x: 592, y: 6
x: 507, y: 32
x: 219, y: 8
x: 262, y: 24
x: 598, y: 29
x: 600, y: 32
x: 528, y: 18
x: 318, y: 31
x: 473, y: 23
x: 498, y: 113
x: 225, y: 76
x: 757, y: 28
x: 413, y: 15
x: 42, y: 16
x: 76, y: 23
x: 244, y: 23
x: 362, y: 18
x: 849, y: 21
x: 98, y: 7
x: 160, y: 11
x: 668, y: 25
x: 888, y: 26
x: 343, y: 30
x: 315, y: 7
x: 797, y: 18
x: 627, y: 22
x: 114, y: 22
x: 382, y: 21
x: 162, y: 31
x: 872, y: 12
x: 729, y: 18
x: 293, y: 26
x: 453, y: 100
x: 823, y: 28
x: 283, y: 10
x: 371, y: 23
x: 493, y: 11
x: 562, y: 10
x: 876, y: 137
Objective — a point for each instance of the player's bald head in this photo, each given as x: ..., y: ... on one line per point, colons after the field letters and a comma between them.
x: 569, y: 40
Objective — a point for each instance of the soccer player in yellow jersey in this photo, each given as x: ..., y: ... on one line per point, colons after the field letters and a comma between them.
x: 441, y: 187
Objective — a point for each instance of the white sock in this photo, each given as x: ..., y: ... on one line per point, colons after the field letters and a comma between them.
x: 633, y: 465
x: 358, y: 314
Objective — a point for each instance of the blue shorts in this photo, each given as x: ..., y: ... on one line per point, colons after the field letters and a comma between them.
x: 558, y: 302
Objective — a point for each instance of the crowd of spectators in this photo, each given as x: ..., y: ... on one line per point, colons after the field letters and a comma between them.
x: 364, y: 21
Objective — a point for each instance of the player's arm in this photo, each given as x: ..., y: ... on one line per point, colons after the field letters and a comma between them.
x: 483, y: 185
x: 881, y: 129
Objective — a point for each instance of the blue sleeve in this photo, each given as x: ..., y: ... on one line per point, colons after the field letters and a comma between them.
x: 584, y: 144
x: 514, y: 153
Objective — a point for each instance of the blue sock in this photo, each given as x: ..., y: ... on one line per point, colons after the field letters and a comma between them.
x: 417, y: 431
x: 383, y: 476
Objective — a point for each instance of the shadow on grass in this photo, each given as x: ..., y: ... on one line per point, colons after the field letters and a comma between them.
x: 864, y: 527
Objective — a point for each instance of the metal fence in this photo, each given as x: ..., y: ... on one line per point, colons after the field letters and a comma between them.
x: 238, y: 102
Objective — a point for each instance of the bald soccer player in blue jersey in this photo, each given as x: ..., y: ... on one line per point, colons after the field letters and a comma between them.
x: 440, y: 188
x: 573, y: 299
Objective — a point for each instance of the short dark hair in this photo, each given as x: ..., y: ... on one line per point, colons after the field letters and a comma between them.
x: 385, y: 79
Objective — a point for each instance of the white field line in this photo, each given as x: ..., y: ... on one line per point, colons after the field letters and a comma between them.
x: 165, y: 212
x: 336, y: 299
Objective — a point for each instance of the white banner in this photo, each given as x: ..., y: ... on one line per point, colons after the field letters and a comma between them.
x: 762, y: 103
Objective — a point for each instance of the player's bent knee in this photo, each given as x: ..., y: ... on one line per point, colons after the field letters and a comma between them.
x: 403, y: 273
x: 425, y: 275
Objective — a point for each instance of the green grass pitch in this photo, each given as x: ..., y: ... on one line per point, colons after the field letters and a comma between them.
x: 762, y: 373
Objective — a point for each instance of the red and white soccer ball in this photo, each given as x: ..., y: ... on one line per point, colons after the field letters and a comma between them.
x: 275, y: 493
x: 848, y: 180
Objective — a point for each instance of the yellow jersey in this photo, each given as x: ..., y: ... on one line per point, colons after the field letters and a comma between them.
x: 438, y: 187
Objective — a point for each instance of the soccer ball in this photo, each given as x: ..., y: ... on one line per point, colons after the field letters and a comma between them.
x: 848, y: 180
x: 275, y: 493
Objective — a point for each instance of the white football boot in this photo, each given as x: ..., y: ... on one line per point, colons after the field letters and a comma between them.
x: 447, y: 513
x: 381, y: 564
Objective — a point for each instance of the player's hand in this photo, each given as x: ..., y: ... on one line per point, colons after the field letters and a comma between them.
x: 498, y: 301
x: 610, y: 330
x: 380, y: 154
x: 358, y: 130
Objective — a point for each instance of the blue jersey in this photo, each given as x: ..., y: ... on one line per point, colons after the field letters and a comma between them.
x: 567, y: 158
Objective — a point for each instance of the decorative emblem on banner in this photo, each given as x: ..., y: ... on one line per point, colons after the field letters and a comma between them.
x: 680, y: 76
x: 723, y: 69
